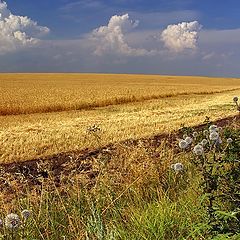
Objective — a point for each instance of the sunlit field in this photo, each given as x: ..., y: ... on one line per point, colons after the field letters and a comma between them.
x: 34, y: 93
x: 28, y: 136
x: 95, y: 144
x: 91, y: 157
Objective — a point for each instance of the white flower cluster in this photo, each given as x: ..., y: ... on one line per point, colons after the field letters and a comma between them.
x: 186, y: 142
x: 213, y: 128
x: 183, y: 144
x: 13, y: 221
x: 214, y: 134
x: 212, y: 137
x: 198, y: 150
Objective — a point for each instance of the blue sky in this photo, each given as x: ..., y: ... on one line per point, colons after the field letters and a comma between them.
x: 178, y: 37
x: 70, y: 18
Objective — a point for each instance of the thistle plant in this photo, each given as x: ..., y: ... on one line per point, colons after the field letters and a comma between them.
x: 183, y: 144
x: 177, y: 167
x: 26, y: 214
x: 94, y: 132
x: 12, y: 221
x: 216, y: 157
x: 14, y: 225
x: 198, y: 150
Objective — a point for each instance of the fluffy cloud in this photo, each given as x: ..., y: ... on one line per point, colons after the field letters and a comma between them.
x: 111, y: 39
x: 182, y: 36
x: 17, y: 32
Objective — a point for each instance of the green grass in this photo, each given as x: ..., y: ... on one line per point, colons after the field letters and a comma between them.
x: 140, y: 208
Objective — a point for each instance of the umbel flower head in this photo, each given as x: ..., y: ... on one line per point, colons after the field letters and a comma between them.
x: 26, y: 214
x: 177, y: 167
x: 229, y: 140
x: 198, y: 150
x: 12, y: 221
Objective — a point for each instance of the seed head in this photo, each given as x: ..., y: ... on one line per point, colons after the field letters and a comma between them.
x: 26, y: 214
x: 183, y: 144
x: 12, y: 221
x: 177, y: 167
x: 235, y: 99
x: 214, y: 136
x: 198, y: 150
x: 213, y: 128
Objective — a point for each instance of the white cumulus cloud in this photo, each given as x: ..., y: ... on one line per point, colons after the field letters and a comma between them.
x: 17, y: 32
x: 112, y: 38
x: 182, y: 36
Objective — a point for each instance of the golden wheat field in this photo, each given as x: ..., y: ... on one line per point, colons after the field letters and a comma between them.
x: 32, y: 93
x: 45, y: 114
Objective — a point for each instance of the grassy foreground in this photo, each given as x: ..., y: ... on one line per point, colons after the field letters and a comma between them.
x: 130, y: 192
x: 74, y: 188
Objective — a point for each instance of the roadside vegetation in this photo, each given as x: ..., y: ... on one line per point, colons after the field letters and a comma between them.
x: 181, y: 186
x: 82, y: 158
